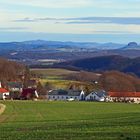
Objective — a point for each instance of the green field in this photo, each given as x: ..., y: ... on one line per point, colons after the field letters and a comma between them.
x: 52, y: 72
x: 56, y: 77
x: 42, y: 120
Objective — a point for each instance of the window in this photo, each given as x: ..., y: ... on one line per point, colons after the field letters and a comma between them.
x: 91, y: 98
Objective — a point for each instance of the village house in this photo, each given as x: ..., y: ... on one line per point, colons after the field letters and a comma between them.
x: 15, y: 86
x: 15, y: 89
x: 29, y: 94
x: 133, y: 97
x: 98, y: 95
x: 66, y: 95
x: 3, y: 93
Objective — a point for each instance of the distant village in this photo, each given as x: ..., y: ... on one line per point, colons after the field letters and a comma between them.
x: 16, y: 90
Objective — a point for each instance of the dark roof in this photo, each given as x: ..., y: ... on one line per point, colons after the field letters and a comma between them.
x: 74, y: 92
x: 14, y: 84
x: 100, y: 93
x: 58, y: 92
x: 65, y: 92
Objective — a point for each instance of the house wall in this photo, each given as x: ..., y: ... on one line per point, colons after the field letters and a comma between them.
x: 62, y: 97
x: 5, y: 95
x: 136, y: 99
x: 82, y: 95
x: 94, y: 97
x: 15, y: 89
x: 1, y: 96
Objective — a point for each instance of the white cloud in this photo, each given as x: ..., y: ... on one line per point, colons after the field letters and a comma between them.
x: 84, y: 28
x: 8, y: 15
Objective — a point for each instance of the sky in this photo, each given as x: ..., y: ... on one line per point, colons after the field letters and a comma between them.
x: 70, y: 20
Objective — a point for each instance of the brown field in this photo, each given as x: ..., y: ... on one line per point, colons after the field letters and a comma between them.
x: 52, y: 71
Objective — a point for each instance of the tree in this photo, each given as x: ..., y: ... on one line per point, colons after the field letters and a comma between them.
x: 48, y: 86
x: 41, y: 89
x: 118, y: 81
x: 27, y: 76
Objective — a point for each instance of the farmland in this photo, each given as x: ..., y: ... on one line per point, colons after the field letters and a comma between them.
x: 44, y: 120
x: 56, y: 77
x: 52, y: 72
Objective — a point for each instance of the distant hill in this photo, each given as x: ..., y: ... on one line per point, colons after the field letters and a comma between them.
x: 131, y: 46
x: 105, y: 63
x: 29, y: 52
x: 42, y: 44
x: 45, y: 45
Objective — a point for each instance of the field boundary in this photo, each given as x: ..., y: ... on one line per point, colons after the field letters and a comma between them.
x: 2, y: 108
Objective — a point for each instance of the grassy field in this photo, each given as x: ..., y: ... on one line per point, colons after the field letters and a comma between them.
x: 52, y: 72
x: 42, y: 120
x: 56, y: 77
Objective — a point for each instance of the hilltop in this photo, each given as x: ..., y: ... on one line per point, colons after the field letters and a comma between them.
x: 106, y: 63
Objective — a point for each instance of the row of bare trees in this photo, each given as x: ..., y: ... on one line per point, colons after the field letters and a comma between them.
x: 110, y: 80
x: 10, y: 71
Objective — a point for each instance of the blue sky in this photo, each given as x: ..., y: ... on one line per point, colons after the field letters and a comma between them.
x: 67, y: 20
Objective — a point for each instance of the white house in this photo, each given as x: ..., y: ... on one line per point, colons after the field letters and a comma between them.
x: 99, y: 95
x: 63, y: 95
x: 15, y: 86
x: 131, y: 97
x: 3, y: 93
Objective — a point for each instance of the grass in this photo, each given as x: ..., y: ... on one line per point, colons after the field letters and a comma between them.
x: 62, y: 84
x: 56, y: 77
x: 42, y: 120
x: 52, y: 72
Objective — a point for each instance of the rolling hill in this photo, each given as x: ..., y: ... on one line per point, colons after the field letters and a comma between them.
x: 106, y: 63
x: 131, y: 46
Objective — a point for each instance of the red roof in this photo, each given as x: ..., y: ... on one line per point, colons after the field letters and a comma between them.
x: 3, y: 90
x: 124, y: 94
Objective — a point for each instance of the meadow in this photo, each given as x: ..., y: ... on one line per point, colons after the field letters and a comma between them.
x: 56, y: 77
x: 52, y: 72
x: 43, y: 120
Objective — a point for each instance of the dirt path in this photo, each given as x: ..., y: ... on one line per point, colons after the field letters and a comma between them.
x: 2, y: 108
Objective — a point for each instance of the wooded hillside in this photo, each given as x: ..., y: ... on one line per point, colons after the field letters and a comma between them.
x: 106, y: 63
x: 118, y: 81
x: 109, y: 81
x: 10, y: 70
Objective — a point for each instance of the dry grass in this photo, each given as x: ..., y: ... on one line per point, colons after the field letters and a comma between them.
x: 52, y: 72
x: 2, y: 108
